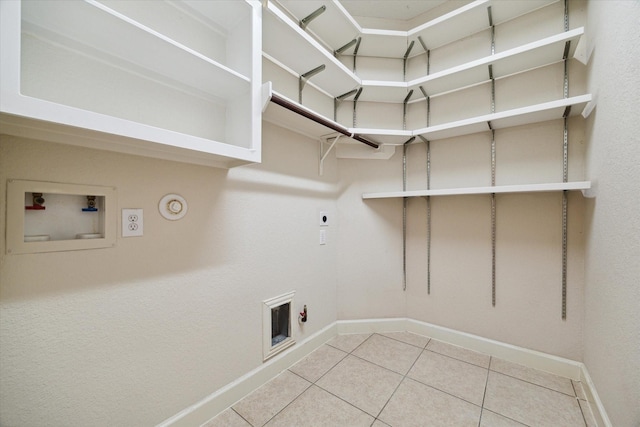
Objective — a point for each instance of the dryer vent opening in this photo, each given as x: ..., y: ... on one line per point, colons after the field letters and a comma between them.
x: 277, y: 325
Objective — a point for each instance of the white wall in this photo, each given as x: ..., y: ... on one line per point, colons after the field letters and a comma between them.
x: 134, y: 334
x: 612, y: 223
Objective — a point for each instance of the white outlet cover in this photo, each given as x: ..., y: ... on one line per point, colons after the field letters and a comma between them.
x: 324, y: 218
x: 132, y: 223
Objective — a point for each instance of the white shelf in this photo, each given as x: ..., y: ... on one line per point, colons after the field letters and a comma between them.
x: 335, y: 27
x: 286, y: 42
x: 542, y: 52
x: 524, y: 188
x: 516, y: 117
x: 182, y: 85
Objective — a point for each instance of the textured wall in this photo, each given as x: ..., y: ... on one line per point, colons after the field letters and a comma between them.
x: 612, y: 223
x: 134, y: 334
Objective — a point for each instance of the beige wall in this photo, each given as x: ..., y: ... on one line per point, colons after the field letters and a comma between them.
x: 134, y: 334
x: 612, y: 223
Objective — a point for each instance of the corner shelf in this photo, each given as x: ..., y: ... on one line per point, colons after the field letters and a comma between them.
x: 67, y: 79
x: 542, y: 52
x: 289, y: 44
x: 498, y: 189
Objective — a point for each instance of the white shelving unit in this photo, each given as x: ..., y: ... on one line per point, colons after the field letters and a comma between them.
x: 498, y: 189
x: 180, y: 81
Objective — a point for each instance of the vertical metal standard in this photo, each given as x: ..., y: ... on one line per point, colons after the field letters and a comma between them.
x: 493, y: 31
x: 428, y: 200
x: 313, y: 15
x: 338, y: 99
x: 405, y: 202
x: 404, y: 61
x: 302, y: 80
x: 493, y: 217
x: 565, y: 164
x: 355, y: 102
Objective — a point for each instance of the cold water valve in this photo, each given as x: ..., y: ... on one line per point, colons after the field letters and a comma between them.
x: 303, y: 315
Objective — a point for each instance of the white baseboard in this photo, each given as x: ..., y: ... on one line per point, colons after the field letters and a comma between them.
x: 225, y: 397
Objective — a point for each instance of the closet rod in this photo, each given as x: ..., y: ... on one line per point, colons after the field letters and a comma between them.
x: 319, y: 119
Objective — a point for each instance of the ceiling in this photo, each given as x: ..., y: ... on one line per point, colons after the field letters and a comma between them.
x: 397, y: 10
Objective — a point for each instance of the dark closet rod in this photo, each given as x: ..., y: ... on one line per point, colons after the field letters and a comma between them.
x: 285, y: 103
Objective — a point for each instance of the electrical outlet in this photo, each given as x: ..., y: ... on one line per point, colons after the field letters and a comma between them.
x: 132, y: 224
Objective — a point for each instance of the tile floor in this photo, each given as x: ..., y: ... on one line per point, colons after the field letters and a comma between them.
x: 403, y: 379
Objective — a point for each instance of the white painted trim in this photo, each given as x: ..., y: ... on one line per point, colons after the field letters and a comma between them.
x: 212, y: 405
x: 595, y: 404
x: 228, y: 395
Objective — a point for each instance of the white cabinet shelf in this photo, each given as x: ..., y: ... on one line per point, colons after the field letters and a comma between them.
x: 177, y: 80
x: 499, y: 189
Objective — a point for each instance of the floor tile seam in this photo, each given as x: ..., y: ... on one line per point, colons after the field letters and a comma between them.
x: 484, y: 394
x: 288, y: 404
x: 532, y: 383
x: 443, y: 391
x: 404, y: 342
x: 240, y: 415
x: 345, y: 401
x: 455, y: 358
x: 502, y: 415
x: 398, y: 386
x: 384, y: 367
x: 328, y: 370
x: 584, y: 417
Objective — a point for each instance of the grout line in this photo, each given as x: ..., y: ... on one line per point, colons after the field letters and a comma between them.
x: 504, y: 416
x: 288, y: 404
x: 529, y: 382
x: 460, y: 360
x: 404, y: 342
x: 584, y: 418
x: 238, y: 413
x: 484, y: 395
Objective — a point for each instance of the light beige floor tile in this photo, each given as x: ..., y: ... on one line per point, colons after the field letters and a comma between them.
x: 459, y: 353
x: 228, y: 418
x: 461, y: 379
x: 587, y: 414
x: 415, y: 404
x: 318, y: 363
x: 348, y: 342
x: 388, y: 353
x: 409, y: 338
x: 545, y: 379
x: 316, y: 407
x: 363, y: 384
x: 531, y: 404
x: 577, y: 386
x: 491, y: 419
x: 261, y: 405
x: 379, y: 423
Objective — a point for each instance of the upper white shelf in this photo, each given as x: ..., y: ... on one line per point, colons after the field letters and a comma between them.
x: 335, y: 27
x: 499, y: 189
x: 512, y: 61
x: 177, y: 80
x: 286, y: 42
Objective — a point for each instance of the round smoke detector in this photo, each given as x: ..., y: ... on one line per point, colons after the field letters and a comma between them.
x: 173, y: 207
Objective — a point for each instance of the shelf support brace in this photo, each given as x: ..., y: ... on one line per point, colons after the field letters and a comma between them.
x: 340, y: 50
x: 428, y: 99
x: 324, y: 155
x: 302, y: 80
x: 338, y: 99
x: 404, y: 110
x: 313, y: 15
x: 404, y: 60
x: 428, y: 52
x: 355, y: 102
x: 355, y: 53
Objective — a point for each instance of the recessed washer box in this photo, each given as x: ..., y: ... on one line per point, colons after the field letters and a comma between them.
x: 52, y: 216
